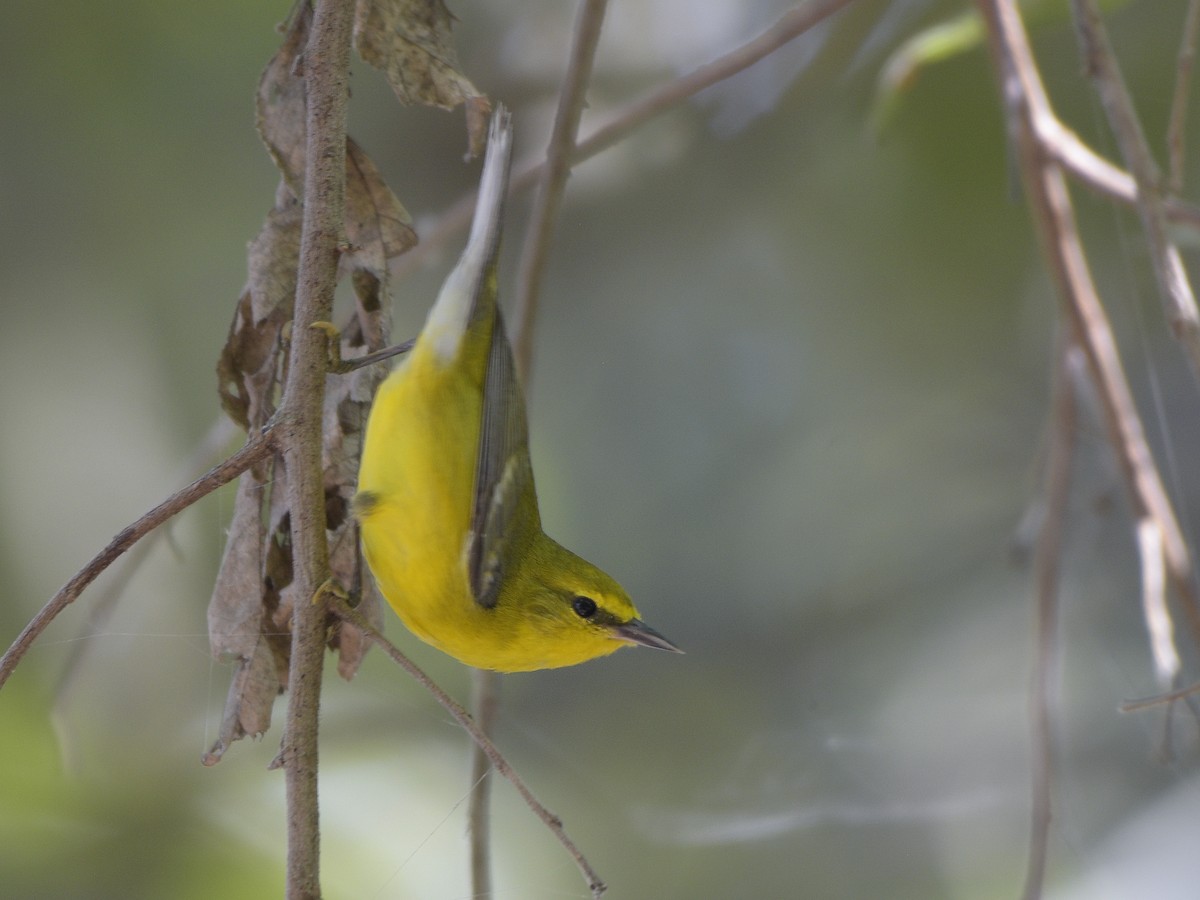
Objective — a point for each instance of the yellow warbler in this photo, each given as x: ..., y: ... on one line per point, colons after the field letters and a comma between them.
x: 446, y: 501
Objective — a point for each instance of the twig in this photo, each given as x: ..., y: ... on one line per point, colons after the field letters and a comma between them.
x: 1098, y: 174
x: 299, y: 422
x: 1028, y: 112
x: 1047, y: 562
x: 258, y: 447
x: 485, y: 684
x: 1165, y: 257
x: 788, y: 27
x: 340, y: 608
x: 1183, y: 88
x: 1159, y: 699
x: 553, y: 180
x: 485, y: 701
x: 1155, y: 611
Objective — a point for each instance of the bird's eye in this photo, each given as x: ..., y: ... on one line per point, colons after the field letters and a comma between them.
x: 585, y: 607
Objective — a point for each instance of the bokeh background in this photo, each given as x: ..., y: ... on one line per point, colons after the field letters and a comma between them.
x: 789, y: 385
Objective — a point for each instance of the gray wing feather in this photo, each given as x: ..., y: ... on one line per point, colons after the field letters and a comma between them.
x: 502, y: 471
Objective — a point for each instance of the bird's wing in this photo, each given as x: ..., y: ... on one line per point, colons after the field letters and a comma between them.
x: 503, y: 474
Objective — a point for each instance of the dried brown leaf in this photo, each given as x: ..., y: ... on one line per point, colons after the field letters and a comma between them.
x: 248, y: 368
x: 409, y: 41
x: 235, y: 609
x: 280, y: 103
x: 239, y: 626
x: 350, y: 642
x: 373, y: 324
x: 378, y: 227
x: 248, y: 706
x: 479, y: 114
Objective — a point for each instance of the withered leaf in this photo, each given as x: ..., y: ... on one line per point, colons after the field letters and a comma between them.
x: 378, y: 226
x: 239, y: 627
x: 280, y: 103
x: 409, y: 41
x: 373, y: 324
x: 248, y: 367
x: 248, y: 705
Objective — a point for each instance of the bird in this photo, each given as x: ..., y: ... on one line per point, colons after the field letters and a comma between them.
x: 446, y: 502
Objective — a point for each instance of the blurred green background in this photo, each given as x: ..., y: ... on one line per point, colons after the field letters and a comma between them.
x: 789, y: 385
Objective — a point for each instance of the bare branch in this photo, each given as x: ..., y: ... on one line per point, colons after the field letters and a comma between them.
x: 257, y: 448
x: 1099, y: 175
x: 553, y: 180
x: 1160, y: 699
x: 1030, y: 120
x: 326, y: 76
x: 339, y: 607
x: 1154, y: 603
x: 1183, y: 89
x: 1169, y: 271
x: 1047, y: 563
x: 485, y: 702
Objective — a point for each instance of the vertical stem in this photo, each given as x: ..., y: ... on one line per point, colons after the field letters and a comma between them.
x: 554, y: 178
x: 1165, y: 257
x: 1047, y: 564
x: 1179, y: 103
x: 485, y: 700
x: 326, y: 72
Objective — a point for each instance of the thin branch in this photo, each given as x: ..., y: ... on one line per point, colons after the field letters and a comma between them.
x: 340, y: 608
x: 1159, y: 699
x: 667, y: 96
x: 1155, y: 611
x: 326, y: 75
x: 1047, y: 563
x: 1183, y: 89
x: 485, y: 684
x: 1028, y: 112
x: 787, y: 28
x: 553, y: 180
x: 485, y: 701
x: 1099, y: 175
x: 258, y: 447
x: 1166, y: 260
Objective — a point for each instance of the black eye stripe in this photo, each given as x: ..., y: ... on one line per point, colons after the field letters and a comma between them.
x: 585, y: 607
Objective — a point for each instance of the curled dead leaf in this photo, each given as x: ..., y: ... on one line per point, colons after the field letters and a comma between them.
x: 248, y: 369
x: 378, y: 227
x: 239, y: 627
x: 409, y: 41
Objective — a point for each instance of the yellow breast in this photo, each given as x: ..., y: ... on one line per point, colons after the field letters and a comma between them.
x: 415, y: 487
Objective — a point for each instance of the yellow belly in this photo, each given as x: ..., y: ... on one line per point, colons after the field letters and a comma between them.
x: 418, y: 468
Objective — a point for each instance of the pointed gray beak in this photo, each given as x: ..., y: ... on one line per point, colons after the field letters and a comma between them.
x: 635, y: 631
